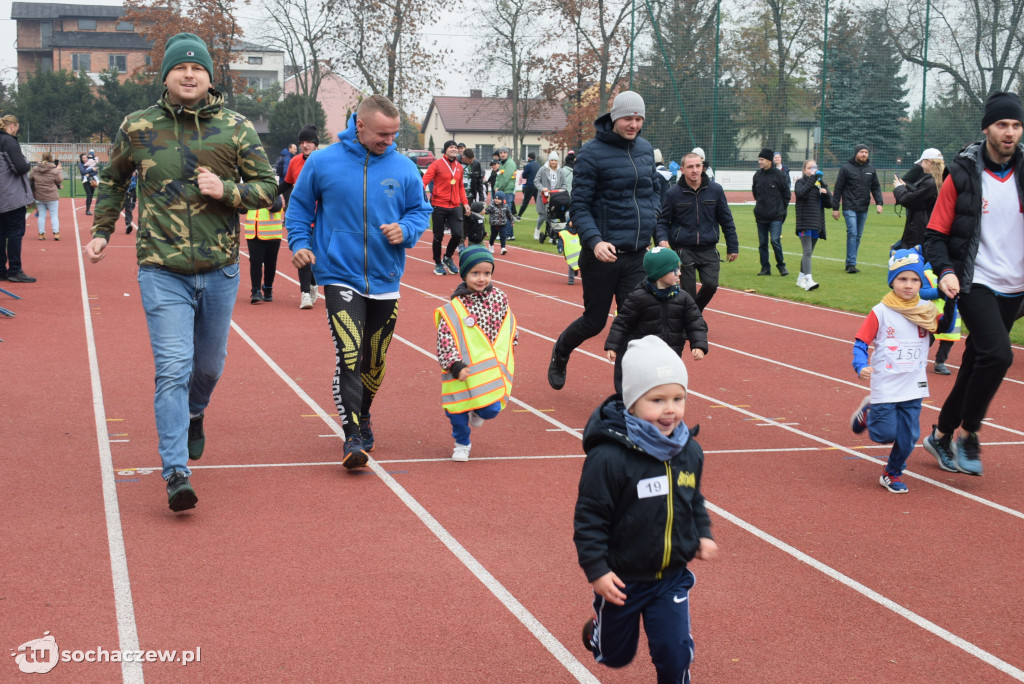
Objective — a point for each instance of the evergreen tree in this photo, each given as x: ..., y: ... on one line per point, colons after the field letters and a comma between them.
x: 117, y: 100
x: 286, y: 119
x: 56, y: 106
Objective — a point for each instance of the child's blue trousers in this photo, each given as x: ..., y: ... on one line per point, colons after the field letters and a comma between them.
x: 460, y: 421
x: 665, y: 608
x: 898, y: 424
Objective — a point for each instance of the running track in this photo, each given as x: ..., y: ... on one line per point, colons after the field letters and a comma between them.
x: 423, y: 570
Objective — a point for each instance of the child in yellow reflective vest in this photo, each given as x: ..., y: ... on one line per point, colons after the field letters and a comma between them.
x: 476, y: 333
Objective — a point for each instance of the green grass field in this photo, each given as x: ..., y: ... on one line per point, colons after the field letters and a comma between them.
x: 839, y: 289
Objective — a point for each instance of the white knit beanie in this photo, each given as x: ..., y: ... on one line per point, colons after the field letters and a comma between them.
x: 648, y: 363
x: 553, y: 155
x: 628, y: 103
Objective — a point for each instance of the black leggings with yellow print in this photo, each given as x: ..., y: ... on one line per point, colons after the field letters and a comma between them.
x: 362, y: 329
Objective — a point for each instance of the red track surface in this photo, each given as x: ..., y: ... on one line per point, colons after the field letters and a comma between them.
x: 424, y: 570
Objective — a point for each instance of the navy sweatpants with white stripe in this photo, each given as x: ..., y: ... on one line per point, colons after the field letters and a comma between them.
x: 665, y: 608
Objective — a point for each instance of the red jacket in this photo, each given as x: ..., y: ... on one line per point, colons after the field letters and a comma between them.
x: 448, y: 191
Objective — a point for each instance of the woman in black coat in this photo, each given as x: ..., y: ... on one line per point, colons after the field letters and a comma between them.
x: 812, y: 198
x: 919, y: 196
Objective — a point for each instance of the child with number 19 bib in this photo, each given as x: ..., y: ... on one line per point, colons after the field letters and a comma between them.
x: 476, y: 333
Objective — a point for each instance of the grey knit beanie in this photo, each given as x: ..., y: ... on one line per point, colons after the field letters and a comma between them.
x: 649, y: 363
x: 628, y: 103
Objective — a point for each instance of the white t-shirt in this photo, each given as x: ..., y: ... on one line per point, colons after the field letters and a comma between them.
x: 1000, y: 261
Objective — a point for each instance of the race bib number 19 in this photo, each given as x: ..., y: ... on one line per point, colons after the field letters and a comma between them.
x: 652, y: 486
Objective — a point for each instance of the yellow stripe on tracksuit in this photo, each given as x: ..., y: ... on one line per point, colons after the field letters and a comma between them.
x: 261, y: 224
x: 491, y: 366
x: 668, y: 521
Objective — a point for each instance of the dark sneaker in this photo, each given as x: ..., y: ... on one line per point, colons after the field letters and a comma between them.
x: 366, y: 433
x: 180, y: 495
x: 438, y: 269
x: 968, y: 456
x: 588, y: 634
x: 892, y: 483
x: 783, y: 271
x: 450, y: 265
x: 268, y: 294
x: 256, y: 297
x: 355, y: 454
x: 20, y: 277
x: 765, y: 271
x: 196, y: 438
x: 942, y: 450
x: 941, y: 369
x: 859, y: 419
x: 557, y: 369
x: 852, y: 269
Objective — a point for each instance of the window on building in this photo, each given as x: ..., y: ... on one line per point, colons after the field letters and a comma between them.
x: 46, y: 64
x: 527, y: 149
x: 149, y: 60
x: 119, y: 62
x: 125, y: 26
x: 255, y: 60
x: 81, y: 63
x: 86, y: 24
x: 483, y: 154
x: 45, y: 33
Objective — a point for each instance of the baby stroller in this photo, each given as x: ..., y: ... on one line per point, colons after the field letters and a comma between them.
x: 556, y: 216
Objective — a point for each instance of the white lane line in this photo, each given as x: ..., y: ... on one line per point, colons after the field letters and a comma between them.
x: 127, y: 632
x: 873, y: 595
x: 546, y: 638
x: 774, y: 423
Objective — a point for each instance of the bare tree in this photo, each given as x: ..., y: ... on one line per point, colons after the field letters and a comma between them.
x: 515, y: 66
x: 304, y: 30
x: 979, y: 44
x: 379, y: 39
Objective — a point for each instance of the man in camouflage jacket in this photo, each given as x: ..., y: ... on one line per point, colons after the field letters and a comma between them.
x: 198, y: 164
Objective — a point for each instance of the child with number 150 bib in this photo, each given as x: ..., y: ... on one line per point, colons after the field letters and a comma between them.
x: 476, y: 333
x: 898, y: 328
x: 640, y: 515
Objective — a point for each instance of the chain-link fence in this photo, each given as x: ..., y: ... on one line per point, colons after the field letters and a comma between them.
x: 804, y: 79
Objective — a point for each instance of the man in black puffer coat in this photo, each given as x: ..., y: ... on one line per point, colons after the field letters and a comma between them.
x: 614, y: 211
x: 856, y: 184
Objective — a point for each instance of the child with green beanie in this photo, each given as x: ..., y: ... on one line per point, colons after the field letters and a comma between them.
x: 658, y: 307
x: 476, y: 333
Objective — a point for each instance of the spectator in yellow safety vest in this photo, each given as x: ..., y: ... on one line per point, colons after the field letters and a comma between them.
x: 263, y: 230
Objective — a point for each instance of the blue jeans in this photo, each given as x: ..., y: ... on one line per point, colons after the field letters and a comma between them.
x: 460, y: 421
x: 189, y: 317
x: 51, y: 209
x: 770, y: 230
x: 855, y: 221
x: 897, y: 424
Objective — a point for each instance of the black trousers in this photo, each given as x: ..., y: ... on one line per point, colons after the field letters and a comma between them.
x: 529, y: 192
x: 450, y: 218
x: 362, y: 329
x: 602, y: 282
x: 987, y: 357
x: 12, y: 231
x: 707, y: 263
x: 262, y: 262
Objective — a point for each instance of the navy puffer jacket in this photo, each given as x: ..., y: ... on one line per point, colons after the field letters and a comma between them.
x: 614, y: 196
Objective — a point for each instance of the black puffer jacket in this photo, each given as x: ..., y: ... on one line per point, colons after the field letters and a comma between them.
x: 811, y: 205
x: 676, y: 320
x: 856, y: 184
x: 958, y: 248
x: 919, y: 199
x: 614, y: 196
x: 14, y: 186
x: 690, y: 218
x: 771, y: 194
x: 641, y: 540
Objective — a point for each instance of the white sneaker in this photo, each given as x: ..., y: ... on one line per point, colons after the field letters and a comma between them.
x: 461, y: 452
x: 475, y: 420
x: 536, y: 234
x: 306, y: 302
x: 314, y: 294
x: 809, y: 283
x: 492, y: 249
x: 504, y: 251
x: 800, y: 280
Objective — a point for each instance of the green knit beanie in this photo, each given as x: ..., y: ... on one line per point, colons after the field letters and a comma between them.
x: 185, y: 47
x: 660, y: 261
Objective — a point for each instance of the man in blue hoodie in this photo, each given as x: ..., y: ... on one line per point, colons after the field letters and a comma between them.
x: 614, y: 211
x: 366, y: 203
